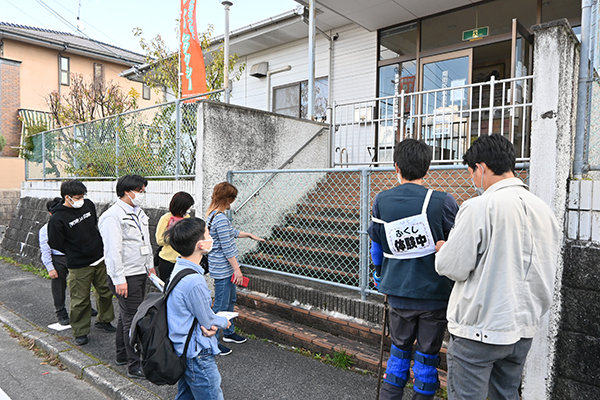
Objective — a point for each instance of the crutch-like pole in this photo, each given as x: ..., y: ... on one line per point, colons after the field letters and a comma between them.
x: 384, y: 333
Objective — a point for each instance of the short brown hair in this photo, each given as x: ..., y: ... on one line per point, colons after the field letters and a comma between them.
x: 223, y: 195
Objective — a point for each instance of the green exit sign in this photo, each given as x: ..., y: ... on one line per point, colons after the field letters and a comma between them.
x: 476, y: 33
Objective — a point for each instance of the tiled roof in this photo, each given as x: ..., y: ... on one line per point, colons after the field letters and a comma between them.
x: 70, y: 41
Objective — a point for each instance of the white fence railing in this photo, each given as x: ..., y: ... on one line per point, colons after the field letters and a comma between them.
x: 449, y: 119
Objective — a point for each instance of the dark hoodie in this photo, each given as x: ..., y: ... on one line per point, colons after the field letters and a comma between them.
x: 74, y: 231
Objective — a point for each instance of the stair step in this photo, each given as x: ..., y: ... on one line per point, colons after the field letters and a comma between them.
x: 368, y: 334
x: 280, y: 330
x: 280, y: 263
x: 312, y: 318
x: 323, y: 223
x: 299, y: 247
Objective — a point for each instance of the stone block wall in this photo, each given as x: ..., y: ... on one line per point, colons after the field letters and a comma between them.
x: 21, y: 239
x: 10, y: 101
x: 8, y: 203
x: 577, y: 375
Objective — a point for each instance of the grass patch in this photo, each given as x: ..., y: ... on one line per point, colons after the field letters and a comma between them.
x: 247, y: 335
x: 339, y: 359
x: 26, y: 267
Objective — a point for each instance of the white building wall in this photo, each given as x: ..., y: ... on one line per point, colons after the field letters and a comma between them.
x: 354, y: 67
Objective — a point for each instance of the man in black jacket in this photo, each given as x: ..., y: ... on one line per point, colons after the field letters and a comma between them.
x: 73, y: 230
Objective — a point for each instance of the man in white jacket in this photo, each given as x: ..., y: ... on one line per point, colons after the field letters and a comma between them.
x: 128, y: 258
x: 502, y: 255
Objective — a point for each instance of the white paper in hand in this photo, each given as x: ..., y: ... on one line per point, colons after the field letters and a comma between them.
x: 227, y: 314
x: 160, y: 285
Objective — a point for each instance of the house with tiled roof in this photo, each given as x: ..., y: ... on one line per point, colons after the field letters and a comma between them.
x: 35, y: 62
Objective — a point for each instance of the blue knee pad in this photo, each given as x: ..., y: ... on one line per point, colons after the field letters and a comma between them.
x: 425, y: 373
x: 398, y: 366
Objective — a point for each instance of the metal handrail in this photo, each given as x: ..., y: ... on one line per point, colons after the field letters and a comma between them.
x: 519, y: 165
x: 423, y: 92
x: 288, y: 161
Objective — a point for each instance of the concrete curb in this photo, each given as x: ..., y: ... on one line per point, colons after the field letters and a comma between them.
x: 92, y: 370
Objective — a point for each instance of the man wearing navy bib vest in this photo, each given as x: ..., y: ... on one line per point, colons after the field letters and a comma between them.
x: 407, y: 222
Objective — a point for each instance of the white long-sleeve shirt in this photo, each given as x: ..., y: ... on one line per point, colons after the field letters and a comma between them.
x: 46, y: 251
x: 124, y: 231
x: 502, y: 254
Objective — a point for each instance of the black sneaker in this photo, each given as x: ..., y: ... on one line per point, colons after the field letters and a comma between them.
x: 105, y: 326
x: 64, y: 320
x: 81, y: 340
x: 224, y: 350
x: 94, y: 312
x: 234, y: 338
x: 120, y: 361
x: 136, y: 373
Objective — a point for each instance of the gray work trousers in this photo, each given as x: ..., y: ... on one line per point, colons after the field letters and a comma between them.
x: 477, y: 370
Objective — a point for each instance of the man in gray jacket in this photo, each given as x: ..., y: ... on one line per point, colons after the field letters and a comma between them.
x: 128, y: 258
x: 502, y: 255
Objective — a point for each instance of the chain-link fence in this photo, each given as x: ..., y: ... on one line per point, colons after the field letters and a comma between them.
x: 315, y: 221
x: 156, y: 142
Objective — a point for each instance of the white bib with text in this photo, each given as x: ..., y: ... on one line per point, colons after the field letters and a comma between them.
x: 409, y: 237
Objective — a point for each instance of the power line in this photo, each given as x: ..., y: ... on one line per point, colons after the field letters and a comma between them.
x: 25, y: 13
x: 87, y: 24
x: 64, y: 20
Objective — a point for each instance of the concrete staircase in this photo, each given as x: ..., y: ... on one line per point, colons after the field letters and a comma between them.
x: 320, y: 238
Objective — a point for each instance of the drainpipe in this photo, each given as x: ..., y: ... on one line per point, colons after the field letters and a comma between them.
x: 269, y: 73
x: 311, y: 59
x: 582, y: 89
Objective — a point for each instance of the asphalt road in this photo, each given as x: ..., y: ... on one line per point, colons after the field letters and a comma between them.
x: 255, y: 370
x: 24, y: 377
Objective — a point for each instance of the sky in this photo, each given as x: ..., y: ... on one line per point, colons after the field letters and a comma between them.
x: 112, y: 21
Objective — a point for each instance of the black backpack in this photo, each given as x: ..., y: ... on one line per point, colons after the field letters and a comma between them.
x: 149, y: 335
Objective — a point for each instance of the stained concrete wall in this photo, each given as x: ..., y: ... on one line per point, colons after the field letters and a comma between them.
x: 556, y: 55
x: 241, y: 138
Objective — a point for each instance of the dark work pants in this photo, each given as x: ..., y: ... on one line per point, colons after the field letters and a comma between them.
x: 136, y: 290
x: 164, y: 269
x: 59, y: 285
x: 427, y: 327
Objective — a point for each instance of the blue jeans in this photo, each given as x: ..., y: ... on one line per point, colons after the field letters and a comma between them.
x: 225, y: 298
x: 201, y: 380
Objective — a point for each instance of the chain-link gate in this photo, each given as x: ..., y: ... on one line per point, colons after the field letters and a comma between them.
x: 315, y: 221
x: 155, y: 142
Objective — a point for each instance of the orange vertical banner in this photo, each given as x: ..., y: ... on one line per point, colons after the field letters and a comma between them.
x: 193, y: 72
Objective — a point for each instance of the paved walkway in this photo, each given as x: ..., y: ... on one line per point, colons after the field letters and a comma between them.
x: 24, y: 376
x: 255, y: 370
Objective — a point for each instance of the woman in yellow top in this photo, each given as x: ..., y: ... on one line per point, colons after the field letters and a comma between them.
x: 179, y: 208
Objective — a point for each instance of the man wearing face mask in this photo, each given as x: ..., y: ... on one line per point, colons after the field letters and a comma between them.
x: 73, y: 230
x: 407, y: 221
x: 502, y: 255
x: 128, y: 255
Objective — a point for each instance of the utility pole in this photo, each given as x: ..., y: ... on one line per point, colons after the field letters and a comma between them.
x: 226, y: 4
